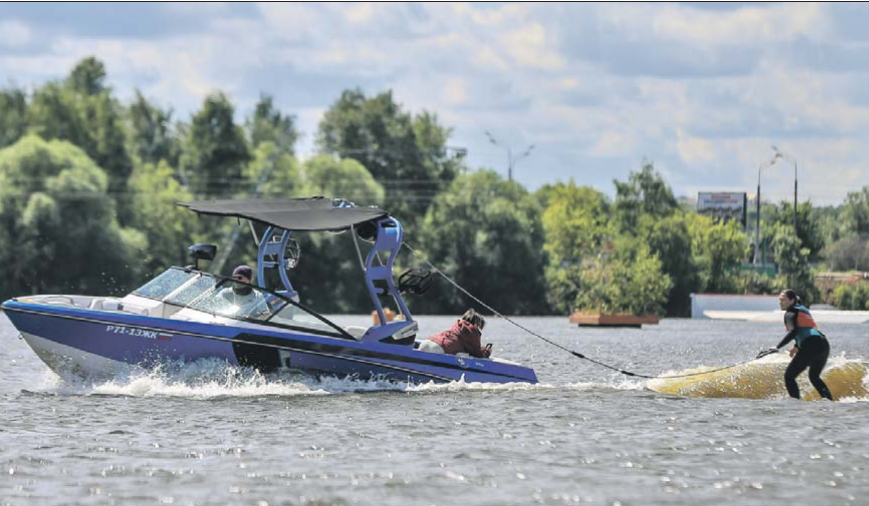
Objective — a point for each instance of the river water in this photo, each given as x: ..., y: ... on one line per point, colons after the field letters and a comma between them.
x: 216, y: 435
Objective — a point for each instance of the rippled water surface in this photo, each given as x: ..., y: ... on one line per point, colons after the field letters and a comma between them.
x: 214, y: 435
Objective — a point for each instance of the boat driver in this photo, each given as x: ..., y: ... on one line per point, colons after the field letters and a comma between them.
x: 243, y: 297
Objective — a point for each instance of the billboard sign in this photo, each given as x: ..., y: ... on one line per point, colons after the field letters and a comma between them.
x: 723, y: 206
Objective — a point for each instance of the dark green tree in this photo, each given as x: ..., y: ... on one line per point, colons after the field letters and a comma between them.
x: 215, y: 151
x: 577, y: 222
x: 485, y: 233
x: 848, y: 254
x: 109, y: 137
x: 152, y: 138
x: 855, y: 213
x: 577, y: 225
x: 168, y: 228
x: 440, y: 163
x: 87, y: 77
x: 407, y: 155
x: 81, y: 110
x: 644, y: 193
x: 13, y: 115
x: 719, y: 248
x: 852, y: 297
x: 59, y: 223
x: 626, y: 279
x: 275, y: 173
x: 793, y: 263
x: 56, y: 114
x: 268, y: 124
x: 670, y: 239
x: 809, y: 229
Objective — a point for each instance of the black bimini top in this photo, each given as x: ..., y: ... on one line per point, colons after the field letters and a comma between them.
x: 315, y: 213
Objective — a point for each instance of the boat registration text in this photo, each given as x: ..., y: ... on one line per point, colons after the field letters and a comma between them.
x: 130, y: 331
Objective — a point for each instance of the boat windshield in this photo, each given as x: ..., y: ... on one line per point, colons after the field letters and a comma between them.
x: 238, y: 300
x: 226, y: 297
x: 164, y: 284
x: 193, y: 289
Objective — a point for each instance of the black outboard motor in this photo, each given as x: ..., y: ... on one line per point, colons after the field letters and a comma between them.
x: 202, y: 252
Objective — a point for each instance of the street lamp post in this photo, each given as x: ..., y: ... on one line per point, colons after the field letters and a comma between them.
x: 511, y: 162
x: 785, y: 156
x: 769, y: 163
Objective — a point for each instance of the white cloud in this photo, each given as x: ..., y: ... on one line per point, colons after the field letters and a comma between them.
x: 292, y: 21
x: 693, y: 150
x: 455, y: 92
x: 530, y: 48
x: 745, y: 25
x: 490, y: 17
x: 486, y: 58
x: 612, y: 143
x: 357, y: 13
x: 14, y: 34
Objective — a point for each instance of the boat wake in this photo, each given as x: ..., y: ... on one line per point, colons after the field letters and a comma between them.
x: 209, y: 379
x: 206, y: 379
x: 848, y: 380
x: 212, y: 378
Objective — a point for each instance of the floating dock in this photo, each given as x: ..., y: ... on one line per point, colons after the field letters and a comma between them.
x: 612, y: 320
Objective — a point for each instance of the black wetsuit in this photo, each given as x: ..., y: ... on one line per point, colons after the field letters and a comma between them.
x: 813, y: 351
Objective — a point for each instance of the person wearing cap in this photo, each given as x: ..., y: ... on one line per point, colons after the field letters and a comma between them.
x: 241, y: 295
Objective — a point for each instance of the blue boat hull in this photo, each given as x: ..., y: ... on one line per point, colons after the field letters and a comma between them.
x: 79, y: 342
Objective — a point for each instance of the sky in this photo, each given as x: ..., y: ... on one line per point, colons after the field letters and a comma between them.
x: 702, y: 90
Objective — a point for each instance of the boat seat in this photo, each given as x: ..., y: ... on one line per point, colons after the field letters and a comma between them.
x: 106, y: 305
x: 58, y: 300
x: 118, y: 305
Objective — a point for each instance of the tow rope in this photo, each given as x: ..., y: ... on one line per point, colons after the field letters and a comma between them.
x: 553, y: 343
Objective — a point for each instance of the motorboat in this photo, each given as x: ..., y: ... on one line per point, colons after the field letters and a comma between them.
x: 184, y: 314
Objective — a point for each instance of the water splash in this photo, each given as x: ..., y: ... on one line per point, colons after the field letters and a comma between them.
x: 205, y: 379
x: 212, y: 378
x: 764, y: 379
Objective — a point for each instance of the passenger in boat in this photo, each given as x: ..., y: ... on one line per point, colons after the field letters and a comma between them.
x: 243, y: 297
x: 463, y: 337
x: 811, y: 348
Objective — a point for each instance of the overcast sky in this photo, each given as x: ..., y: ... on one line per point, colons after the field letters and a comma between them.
x: 702, y: 90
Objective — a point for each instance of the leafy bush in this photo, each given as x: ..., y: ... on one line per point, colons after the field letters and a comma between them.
x: 852, y: 297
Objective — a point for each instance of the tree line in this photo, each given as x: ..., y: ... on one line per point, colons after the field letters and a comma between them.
x: 88, y: 186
